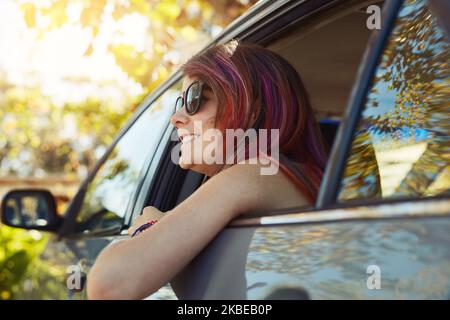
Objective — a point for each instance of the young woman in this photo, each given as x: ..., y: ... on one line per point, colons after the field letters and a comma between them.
x: 231, y: 86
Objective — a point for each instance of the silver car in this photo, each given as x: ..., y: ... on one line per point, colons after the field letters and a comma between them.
x: 379, y: 78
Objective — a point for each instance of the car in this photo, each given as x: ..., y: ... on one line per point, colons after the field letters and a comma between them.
x: 378, y: 76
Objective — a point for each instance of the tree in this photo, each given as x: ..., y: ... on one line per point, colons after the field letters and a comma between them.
x: 35, y: 142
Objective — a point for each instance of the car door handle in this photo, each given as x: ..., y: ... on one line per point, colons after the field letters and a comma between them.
x: 288, y: 293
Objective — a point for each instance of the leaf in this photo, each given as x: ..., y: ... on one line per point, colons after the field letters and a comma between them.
x: 29, y: 12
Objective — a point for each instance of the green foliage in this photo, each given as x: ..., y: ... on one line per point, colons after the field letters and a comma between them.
x: 18, y: 249
x: 34, y: 125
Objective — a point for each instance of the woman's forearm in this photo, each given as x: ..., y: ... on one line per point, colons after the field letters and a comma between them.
x: 108, y: 278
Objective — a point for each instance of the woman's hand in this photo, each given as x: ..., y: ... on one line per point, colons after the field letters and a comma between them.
x: 149, y: 213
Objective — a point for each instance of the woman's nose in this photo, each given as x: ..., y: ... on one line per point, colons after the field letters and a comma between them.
x: 179, y: 118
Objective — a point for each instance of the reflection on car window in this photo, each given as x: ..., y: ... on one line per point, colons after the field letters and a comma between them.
x: 109, y: 192
x: 401, y: 146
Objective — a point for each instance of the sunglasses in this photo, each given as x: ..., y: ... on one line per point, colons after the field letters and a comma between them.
x: 191, y: 98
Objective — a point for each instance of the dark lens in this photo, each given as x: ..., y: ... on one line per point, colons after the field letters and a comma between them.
x: 178, y: 103
x: 193, y: 96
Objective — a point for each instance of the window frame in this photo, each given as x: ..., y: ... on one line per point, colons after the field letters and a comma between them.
x: 263, y: 25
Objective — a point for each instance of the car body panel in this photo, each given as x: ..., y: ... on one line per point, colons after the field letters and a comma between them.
x: 326, y: 255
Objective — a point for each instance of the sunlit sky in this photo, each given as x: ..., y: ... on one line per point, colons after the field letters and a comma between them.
x: 56, y: 61
x: 53, y: 60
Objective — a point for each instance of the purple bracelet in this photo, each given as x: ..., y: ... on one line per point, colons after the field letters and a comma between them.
x: 143, y: 227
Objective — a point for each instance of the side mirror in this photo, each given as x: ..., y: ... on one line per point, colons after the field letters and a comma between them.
x: 30, y: 209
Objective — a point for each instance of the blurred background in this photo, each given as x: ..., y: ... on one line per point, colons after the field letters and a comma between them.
x: 71, y: 73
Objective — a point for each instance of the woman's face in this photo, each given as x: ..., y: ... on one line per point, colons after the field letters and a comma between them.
x: 192, y: 128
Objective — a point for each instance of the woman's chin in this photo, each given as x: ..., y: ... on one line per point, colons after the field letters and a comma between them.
x: 194, y: 167
x: 184, y: 165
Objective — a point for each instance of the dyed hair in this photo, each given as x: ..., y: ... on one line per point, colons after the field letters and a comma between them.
x: 258, y: 87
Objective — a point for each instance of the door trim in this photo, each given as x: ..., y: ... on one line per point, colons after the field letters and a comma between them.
x: 407, y: 209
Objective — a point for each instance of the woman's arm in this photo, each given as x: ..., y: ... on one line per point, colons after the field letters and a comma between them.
x: 135, y: 268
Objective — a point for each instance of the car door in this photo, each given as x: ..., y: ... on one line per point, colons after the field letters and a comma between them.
x: 99, y: 213
x: 277, y: 25
x: 380, y: 228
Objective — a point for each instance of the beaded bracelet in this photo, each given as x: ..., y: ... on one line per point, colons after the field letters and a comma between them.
x: 143, y: 227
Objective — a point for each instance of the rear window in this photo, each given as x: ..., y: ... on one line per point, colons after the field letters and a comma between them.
x: 401, y: 145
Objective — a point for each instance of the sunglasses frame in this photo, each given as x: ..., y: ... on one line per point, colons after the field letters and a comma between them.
x: 183, y: 98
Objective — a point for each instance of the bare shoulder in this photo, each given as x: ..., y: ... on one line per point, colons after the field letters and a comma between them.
x: 253, y: 190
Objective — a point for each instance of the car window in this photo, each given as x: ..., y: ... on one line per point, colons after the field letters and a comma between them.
x: 401, y: 144
x: 336, y: 40
x: 109, y: 192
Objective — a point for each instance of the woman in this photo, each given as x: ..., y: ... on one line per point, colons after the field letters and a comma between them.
x: 230, y: 86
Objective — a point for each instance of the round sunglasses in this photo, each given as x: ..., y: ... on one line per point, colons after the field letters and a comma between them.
x: 191, y: 98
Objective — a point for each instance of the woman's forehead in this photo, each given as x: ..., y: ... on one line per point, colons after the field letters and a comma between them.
x: 187, y: 82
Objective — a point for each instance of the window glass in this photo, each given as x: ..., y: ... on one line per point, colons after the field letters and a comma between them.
x: 109, y: 192
x: 401, y: 145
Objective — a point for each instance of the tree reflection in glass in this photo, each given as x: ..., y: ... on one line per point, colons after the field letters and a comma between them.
x: 401, y: 145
